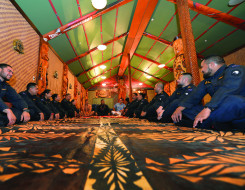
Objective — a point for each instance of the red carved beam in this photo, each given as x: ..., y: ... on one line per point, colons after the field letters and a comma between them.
x: 100, y: 74
x: 74, y: 24
x: 157, y: 39
x: 149, y: 75
x: 215, y: 14
x: 102, y: 63
x: 150, y: 60
x: 142, y: 15
x: 95, y: 48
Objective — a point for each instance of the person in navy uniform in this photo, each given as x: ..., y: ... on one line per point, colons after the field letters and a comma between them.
x: 142, y: 103
x: 149, y: 111
x: 45, y: 99
x: 56, y: 103
x: 33, y: 102
x: 67, y: 106
x: 103, y: 109
x: 132, y: 106
x: 19, y: 112
x: 226, y: 86
x: 185, y: 88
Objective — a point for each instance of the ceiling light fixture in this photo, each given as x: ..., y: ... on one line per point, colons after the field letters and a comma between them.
x: 102, y: 66
x: 99, y: 4
x: 148, y: 76
x: 102, y: 47
x: 103, y: 77
x: 235, y: 2
x: 140, y: 84
x: 103, y: 84
x: 161, y: 66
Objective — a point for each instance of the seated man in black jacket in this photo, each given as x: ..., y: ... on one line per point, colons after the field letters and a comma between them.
x: 185, y: 88
x: 149, y: 111
x: 142, y: 103
x: 103, y: 109
x: 67, y: 106
x: 56, y: 103
x: 19, y: 111
x: 33, y: 102
x: 45, y: 99
x: 132, y: 106
x: 73, y: 103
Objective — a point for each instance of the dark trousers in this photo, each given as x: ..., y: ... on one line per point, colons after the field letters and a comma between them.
x: 4, y: 119
x: 230, y: 113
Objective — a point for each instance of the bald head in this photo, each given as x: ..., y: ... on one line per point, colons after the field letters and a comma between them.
x: 159, y: 87
x: 184, y: 79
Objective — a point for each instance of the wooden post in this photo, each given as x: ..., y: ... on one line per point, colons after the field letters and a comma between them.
x: 188, y: 40
x: 129, y: 79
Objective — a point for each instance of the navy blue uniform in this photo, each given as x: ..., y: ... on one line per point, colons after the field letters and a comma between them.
x: 68, y: 107
x: 60, y: 109
x: 227, y: 89
x: 8, y: 94
x: 155, y: 103
x: 131, y: 108
x: 50, y: 106
x: 142, y: 104
x: 174, y: 101
x: 31, y: 102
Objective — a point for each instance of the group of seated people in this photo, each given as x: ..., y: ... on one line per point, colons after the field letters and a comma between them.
x: 225, y: 84
x: 27, y: 105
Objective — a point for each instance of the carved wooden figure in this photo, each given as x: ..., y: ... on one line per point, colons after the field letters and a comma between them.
x: 42, y: 78
x: 179, y: 65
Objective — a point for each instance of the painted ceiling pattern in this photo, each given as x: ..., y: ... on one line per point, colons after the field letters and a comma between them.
x: 74, y: 29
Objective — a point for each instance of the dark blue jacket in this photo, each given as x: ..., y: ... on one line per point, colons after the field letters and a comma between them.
x: 8, y: 94
x: 179, y: 94
x: 228, y: 80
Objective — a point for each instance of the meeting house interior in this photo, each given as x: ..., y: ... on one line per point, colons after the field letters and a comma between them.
x: 122, y: 94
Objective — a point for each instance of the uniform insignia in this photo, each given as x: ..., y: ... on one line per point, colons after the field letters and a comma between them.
x: 189, y: 86
x: 207, y: 82
x: 235, y: 65
x: 4, y: 89
x: 190, y: 89
x: 236, y: 73
x: 186, y: 93
x: 221, y: 77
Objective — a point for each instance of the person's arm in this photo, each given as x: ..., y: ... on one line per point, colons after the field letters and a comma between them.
x: 233, y: 82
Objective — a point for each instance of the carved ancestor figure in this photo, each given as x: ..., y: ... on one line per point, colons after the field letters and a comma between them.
x: 179, y: 65
x: 65, y: 80
x: 75, y: 88
x: 121, y: 89
x: 42, y: 78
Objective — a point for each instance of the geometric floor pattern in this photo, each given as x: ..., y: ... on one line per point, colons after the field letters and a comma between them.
x: 119, y: 153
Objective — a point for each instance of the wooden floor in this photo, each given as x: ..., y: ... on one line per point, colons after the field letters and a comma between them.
x: 119, y: 153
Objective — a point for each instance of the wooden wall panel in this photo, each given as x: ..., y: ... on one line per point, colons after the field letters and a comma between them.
x: 14, y: 26
x: 55, y: 84
x: 237, y: 57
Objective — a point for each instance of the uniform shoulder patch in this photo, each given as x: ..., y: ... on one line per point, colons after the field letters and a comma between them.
x: 208, y: 82
x: 235, y: 72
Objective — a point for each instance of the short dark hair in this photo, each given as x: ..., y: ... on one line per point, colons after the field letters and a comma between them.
x: 54, y: 96
x: 30, y: 85
x: 135, y: 94
x: 46, y: 91
x: 4, y: 65
x: 127, y: 99
x: 214, y: 58
x: 143, y: 95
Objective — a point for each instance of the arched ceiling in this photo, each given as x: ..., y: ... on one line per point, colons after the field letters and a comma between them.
x: 144, y: 29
